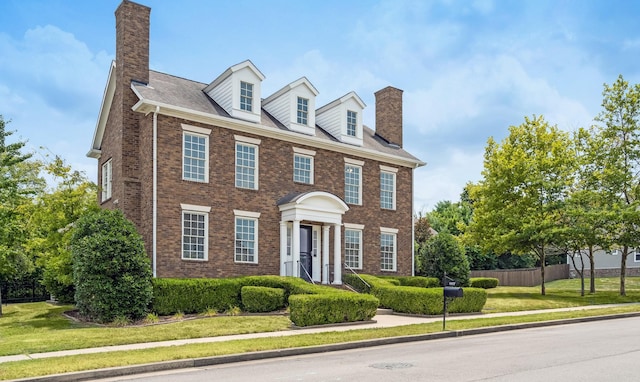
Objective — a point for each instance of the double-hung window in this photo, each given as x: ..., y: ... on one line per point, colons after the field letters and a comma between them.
x: 388, y: 188
x: 353, y: 181
x: 353, y: 245
x: 303, y: 165
x: 107, y: 179
x: 195, y: 153
x: 246, y: 96
x: 352, y: 122
x: 246, y: 236
x: 247, y: 162
x: 303, y: 111
x: 388, y: 249
x: 195, y: 231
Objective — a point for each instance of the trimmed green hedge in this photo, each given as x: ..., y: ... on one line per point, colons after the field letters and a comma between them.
x: 330, y: 308
x: 419, y: 281
x: 484, y: 282
x: 171, y: 296
x: 258, y: 299
x: 417, y: 300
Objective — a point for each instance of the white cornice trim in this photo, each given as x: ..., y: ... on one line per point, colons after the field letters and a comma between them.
x: 146, y: 106
x: 105, y: 107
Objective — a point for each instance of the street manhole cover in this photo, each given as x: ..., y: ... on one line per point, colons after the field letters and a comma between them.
x: 391, y: 366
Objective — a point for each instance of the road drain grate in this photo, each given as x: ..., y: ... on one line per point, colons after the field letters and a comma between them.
x: 391, y: 366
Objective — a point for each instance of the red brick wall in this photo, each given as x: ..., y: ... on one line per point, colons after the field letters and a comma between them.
x: 275, y: 181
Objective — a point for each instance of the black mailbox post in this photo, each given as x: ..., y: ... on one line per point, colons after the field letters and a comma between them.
x: 449, y: 290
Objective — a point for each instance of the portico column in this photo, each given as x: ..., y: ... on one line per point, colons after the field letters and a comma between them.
x: 337, y: 255
x: 295, y: 247
x: 283, y: 248
x: 325, y: 254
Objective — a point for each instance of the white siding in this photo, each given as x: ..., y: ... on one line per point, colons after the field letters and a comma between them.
x: 279, y: 109
x: 223, y: 94
x: 330, y: 121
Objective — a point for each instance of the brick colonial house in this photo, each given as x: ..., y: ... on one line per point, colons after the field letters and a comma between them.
x: 222, y: 181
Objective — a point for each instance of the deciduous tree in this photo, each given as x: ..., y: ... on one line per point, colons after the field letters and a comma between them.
x: 526, y: 180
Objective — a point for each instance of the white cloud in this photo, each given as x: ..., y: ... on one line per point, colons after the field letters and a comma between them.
x: 51, y: 89
x: 446, y: 179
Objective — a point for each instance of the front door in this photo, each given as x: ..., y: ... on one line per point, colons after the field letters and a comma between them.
x: 306, y: 252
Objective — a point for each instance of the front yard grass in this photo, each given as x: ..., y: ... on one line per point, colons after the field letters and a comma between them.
x: 40, y: 327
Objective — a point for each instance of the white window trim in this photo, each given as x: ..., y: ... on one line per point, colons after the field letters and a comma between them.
x: 355, y: 227
x: 311, y: 166
x: 251, y: 99
x: 199, y: 132
x: 388, y: 169
x: 359, y: 164
x: 636, y: 256
x: 107, y: 180
x: 393, y: 192
x: 196, y: 129
x: 251, y: 216
x: 394, y: 233
x: 298, y: 98
x: 248, y: 142
x: 354, y: 162
x: 302, y: 151
x: 195, y: 209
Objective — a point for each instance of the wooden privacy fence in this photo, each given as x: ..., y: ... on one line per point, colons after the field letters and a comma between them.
x: 526, y: 276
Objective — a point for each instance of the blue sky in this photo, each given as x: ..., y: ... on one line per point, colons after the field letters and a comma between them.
x: 469, y: 69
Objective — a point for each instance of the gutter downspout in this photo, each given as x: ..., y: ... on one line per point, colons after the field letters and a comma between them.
x: 155, y: 189
x: 413, y: 221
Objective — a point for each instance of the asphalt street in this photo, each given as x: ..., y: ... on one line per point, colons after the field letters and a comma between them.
x: 606, y: 350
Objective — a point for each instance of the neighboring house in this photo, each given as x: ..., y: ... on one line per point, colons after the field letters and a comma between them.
x: 606, y: 263
x: 222, y: 181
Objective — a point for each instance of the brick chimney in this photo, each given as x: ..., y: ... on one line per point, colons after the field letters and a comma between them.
x: 132, y: 42
x: 389, y: 115
x: 132, y: 65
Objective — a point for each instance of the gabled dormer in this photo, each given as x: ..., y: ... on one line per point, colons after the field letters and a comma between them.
x: 237, y: 91
x: 342, y: 118
x: 294, y: 106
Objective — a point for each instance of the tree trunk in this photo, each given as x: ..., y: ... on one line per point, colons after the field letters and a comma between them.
x: 0, y: 299
x: 592, y: 264
x: 623, y: 269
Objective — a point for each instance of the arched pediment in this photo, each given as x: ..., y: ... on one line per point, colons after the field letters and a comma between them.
x: 317, y: 206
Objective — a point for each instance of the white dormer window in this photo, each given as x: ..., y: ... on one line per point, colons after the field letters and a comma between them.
x: 342, y: 119
x: 303, y: 111
x: 237, y: 91
x: 294, y: 106
x: 246, y: 96
x: 352, y: 122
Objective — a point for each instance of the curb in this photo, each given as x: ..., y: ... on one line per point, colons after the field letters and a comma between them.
x: 268, y: 354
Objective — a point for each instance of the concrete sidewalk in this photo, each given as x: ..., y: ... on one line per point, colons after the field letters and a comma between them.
x: 382, y: 320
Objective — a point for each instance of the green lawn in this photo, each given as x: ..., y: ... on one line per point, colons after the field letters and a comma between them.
x: 40, y: 327
x: 561, y: 294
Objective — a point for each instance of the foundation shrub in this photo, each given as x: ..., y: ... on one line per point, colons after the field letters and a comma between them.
x: 331, y: 308
x: 194, y: 295
x: 258, y: 299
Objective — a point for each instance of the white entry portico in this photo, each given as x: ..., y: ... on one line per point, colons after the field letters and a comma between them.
x: 314, y: 212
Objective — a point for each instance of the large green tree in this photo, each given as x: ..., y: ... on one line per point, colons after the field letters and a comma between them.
x: 526, y: 181
x: 52, y: 216
x: 617, y: 165
x: 17, y: 183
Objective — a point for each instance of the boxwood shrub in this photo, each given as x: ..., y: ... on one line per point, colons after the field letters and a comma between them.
x: 419, y: 281
x: 484, y: 282
x: 417, y: 300
x: 194, y: 295
x: 331, y: 308
x: 258, y: 299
